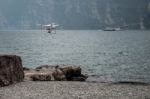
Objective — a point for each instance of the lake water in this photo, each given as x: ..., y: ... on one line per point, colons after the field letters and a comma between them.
x: 106, y: 56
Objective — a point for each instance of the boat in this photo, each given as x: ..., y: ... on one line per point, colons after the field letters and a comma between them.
x: 111, y: 29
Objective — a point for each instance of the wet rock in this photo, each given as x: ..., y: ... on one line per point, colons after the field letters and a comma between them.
x: 11, y: 70
x: 77, y: 79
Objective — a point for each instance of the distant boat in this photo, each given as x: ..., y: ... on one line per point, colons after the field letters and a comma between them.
x: 111, y: 29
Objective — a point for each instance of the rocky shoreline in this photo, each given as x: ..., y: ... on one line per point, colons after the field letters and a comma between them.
x: 60, y: 82
x: 12, y: 71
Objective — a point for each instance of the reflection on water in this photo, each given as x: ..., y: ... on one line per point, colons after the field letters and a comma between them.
x: 106, y: 56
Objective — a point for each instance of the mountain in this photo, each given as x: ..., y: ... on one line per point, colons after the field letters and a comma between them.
x: 75, y: 14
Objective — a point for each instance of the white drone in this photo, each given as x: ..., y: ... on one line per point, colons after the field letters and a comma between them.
x: 50, y: 27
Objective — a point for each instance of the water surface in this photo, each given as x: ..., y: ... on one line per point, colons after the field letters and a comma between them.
x: 106, y: 56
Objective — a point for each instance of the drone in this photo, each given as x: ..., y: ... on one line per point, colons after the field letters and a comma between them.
x: 50, y: 27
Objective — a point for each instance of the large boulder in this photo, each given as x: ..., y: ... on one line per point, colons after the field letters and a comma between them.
x: 55, y: 73
x: 11, y: 70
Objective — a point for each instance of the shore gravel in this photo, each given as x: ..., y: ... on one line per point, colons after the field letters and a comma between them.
x: 74, y: 90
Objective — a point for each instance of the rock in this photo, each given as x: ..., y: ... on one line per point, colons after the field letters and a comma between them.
x: 47, y: 67
x: 58, y: 75
x: 56, y: 72
x: 79, y: 78
x: 11, y: 70
x: 38, y: 75
x: 41, y: 77
x: 25, y: 68
x: 70, y: 71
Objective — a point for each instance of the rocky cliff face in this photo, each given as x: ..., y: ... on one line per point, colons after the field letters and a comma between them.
x: 75, y: 14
